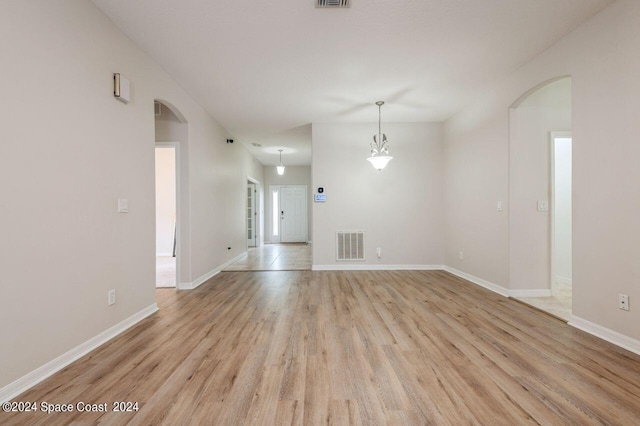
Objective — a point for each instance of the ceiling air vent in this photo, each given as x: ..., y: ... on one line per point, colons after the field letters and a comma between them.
x: 333, y: 3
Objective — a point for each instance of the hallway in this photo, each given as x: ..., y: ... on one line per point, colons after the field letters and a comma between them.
x: 274, y: 257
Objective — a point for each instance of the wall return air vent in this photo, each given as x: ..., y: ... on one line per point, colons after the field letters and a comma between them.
x: 333, y: 3
x: 349, y: 245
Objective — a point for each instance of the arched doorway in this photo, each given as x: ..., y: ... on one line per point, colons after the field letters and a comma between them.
x: 171, y: 192
x: 540, y: 197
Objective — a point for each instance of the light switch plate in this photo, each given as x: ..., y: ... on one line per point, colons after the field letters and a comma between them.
x: 123, y: 205
x: 543, y: 206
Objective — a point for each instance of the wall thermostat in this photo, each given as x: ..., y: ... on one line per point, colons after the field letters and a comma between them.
x: 320, y: 190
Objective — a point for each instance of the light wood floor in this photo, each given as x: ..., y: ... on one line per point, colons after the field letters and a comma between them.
x: 274, y: 257
x: 368, y: 348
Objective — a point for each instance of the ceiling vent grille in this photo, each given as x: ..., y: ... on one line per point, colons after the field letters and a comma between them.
x: 333, y: 3
x: 349, y: 245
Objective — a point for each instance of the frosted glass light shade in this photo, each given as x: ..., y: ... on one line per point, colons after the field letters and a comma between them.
x: 379, y: 161
x: 280, y: 170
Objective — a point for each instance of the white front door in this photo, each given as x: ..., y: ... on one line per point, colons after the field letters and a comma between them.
x: 251, y: 215
x: 293, y: 214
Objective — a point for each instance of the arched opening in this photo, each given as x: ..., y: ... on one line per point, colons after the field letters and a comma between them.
x: 172, y: 191
x: 540, y: 197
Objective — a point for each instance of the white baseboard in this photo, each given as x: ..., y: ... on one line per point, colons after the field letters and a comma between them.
x: 165, y: 286
x: 479, y: 281
x: 563, y: 280
x: 199, y: 281
x: 360, y: 267
x: 208, y: 275
x: 39, y: 374
x: 164, y: 254
x: 604, y: 333
x: 534, y: 292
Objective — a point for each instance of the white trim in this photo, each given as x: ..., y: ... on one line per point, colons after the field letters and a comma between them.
x: 258, y: 208
x: 361, y: 267
x: 200, y: 280
x: 563, y: 280
x: 39, y: 374
x: 254, y: 212
x: 208, y: 275
x: 533, y: 292
x: 479, y: 281
x: 604, y: 333
x: 164, y: 255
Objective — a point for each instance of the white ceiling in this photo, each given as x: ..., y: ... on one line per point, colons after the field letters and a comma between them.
x: 267, y: 69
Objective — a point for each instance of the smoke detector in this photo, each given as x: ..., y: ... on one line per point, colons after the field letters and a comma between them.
x: 333, y: 3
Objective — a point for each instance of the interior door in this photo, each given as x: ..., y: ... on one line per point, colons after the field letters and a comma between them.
x: 251, y: 215
x: 293, y: 214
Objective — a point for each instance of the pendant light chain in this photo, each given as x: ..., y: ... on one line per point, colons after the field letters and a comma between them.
x: 379, y: 121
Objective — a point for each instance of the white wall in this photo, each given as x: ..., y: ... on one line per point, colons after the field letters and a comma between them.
x: 218, y: 210
x: 601, y: 58
x: 530, y: 123
x: 165, y: 199
x: 71, y: 151
x: 399, y: 208
x: 293, y: 175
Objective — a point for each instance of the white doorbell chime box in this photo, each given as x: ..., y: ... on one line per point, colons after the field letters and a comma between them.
x: 121, y: 88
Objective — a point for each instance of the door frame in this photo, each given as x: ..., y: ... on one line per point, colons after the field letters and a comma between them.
x: 176, y: 147
x: 274, y: 239
x: 257, y: 216
x: 553, y: 135
x: 306, y: 208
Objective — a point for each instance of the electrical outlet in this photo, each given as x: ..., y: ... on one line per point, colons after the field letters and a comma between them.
x: 623, y: 302
x: 111, y: 297
x: 461, y: 255
x: 379, y: 252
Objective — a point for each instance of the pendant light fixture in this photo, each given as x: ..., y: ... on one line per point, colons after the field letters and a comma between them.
x: 280, y: 168
x: 380, y: 147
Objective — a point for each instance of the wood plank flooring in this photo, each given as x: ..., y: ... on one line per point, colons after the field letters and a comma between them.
x: 371, y: 348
